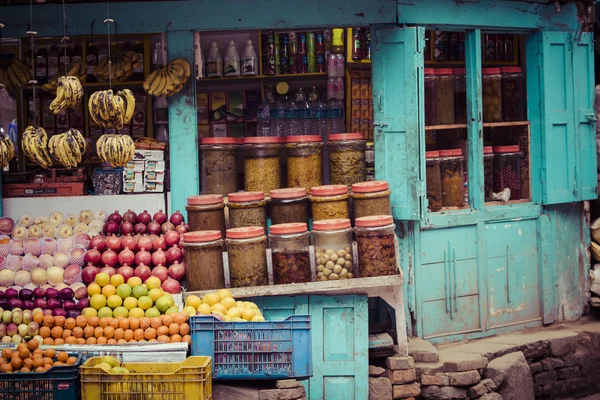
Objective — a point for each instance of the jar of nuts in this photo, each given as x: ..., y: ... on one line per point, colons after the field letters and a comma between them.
x: 218, y: 174
x: 488, y: 172
x: 304, y: 161
x: 451, y: 172
x: 433, y: 180
x: 513, y: 94
x: 247, y: 253
x: 262, y: 166
x: 288, y: 205
x: 247, y: 209
x: 375, y: 239
x: 491, y: 95
x: 206, y: 212
x: 290, y: 253
x: 507, y: 170
x: 333, y: 249
x: 330, y: 202
x: 347, y: 158
x: 371, y: 198
x: 444, y: 96
x: 204, y: 259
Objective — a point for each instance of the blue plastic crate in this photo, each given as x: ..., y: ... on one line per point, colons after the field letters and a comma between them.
x: 254, y: 350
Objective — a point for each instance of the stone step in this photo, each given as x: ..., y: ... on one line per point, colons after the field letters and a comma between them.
x: 422, y: 351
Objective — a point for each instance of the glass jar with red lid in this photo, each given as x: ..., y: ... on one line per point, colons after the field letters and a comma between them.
x: 488, y: 173
x: 206, y: 212
x: 203, y: 258
x: 430, y: 93
x: 347, y: 158
x: 247, y: 209
x: 460, y: 96
x: 453, y: 184
x: 444, y: 96
x: 513, y: 94
x: 376, y: 243
x: 433, y: 180
x: 492, y: 95
x: 507, y: 170
x: 247, y: 255
x: 262, y: 164
x: 218, y: 165
x: 290, y: 245
x: 333, y: 249
x: 304, y: 161
x: 288, y: 205
x: 371, y: 198
x: 330, y: 202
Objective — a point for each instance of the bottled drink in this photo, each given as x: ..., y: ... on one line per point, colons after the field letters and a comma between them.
x: 162, y: 134
x: 263, y: 117
x: 356, y: 44
x: 319, y: 113
x: 304, y: 111
x: 214, y: 62
x: 231, y: 62
x: 335, y: 60
x: 249, y: 60
x: 277, y: 118
x: 291, y: 121
x: 335, y: 116
x: 161, y: 110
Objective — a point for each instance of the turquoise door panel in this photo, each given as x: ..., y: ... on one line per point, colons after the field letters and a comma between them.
x: 279, y: 308
x: 434, y: 243
x: 511, y: 237
x: 339, y: 388
x: 434, y: 282
x: 397, y: 64
x: 438, y: 322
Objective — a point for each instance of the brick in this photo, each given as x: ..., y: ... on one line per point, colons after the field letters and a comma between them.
x: 568, y: 372
x: 402, y: 376
x: 554, y: 388
x: 577, y: 358
x: 562, y: 346
x: 491, y: 396
x: 534, y: 351
x: 536, y: 367
x: 287, y: 384
x: 537, y: 390
x: 380, y: 389
x: 376, y: 372
x: 406, y: 391
x: 545, y: 378
x: 466, y: 378
x: 575, y: 384
x: 465, y: 362
x: 428, y: 368
x: 552, y: 363
x: 443, y: 393
x: 400, y: 363
x: 483, y: 387
x: 435, y: 380
x: 282, y: 394
x: 422, y: 351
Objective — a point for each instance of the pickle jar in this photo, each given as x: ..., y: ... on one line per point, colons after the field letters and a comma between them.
x: 513, y: 94
x: 433, y: 180
x: 218, y: 174
x: 330, y: 202
x: 333, y: 249
x: 491, y: 95
x: 460, y: 96
x: 288, y: 205
x: 444, y: 96
x: 452, y: 179
x: 206, y: 213
x: 507, y: 170
x: 304, y: 161
x: 247, y: 209
x: 430, y: 92
x: 247, y: 254
x: 262, y: 166
x: 488, y: 173
x: 290, y: 253
x: 347, y: 158
x: 375, y: 239
x: 371, y: 198
x: 203, y: 258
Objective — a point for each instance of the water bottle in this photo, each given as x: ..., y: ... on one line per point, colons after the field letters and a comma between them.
x: 304, y: 113
x: 263, y: 118
x: 291, y: 121
x: 319, y: 112
x: 335, y: 116
x: 277, y: 119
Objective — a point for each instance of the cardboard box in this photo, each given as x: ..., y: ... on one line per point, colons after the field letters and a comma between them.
x: 154, y: 187
x: 157, y: 166
x: 202, y: 108
x: 133, y: 187
x: 219, y: 130
x: 145, y: 155
x: 218, y: 107
x: 135, y: 166
x: 154, y: 176
x: 133, y: 176
x: 235, y: 107
x: 251, y: 103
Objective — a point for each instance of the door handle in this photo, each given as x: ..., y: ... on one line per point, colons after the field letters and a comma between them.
x: 379, y: 97
x: 380, y: 125
x: 591, y: 117
x: 446, y: 283
x: 454, y: 277
x: 507, y: 279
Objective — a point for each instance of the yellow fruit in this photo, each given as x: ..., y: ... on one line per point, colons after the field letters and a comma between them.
x: 98, y: 301
x: 152, y: 312
x: 211, y: 299
x: 240, y: 304
x: 136, y: 313
x: 226, y: 318
x: 116, y: 280
x: 155, y: 294
x: 228, y: 302
x: 152, y: 283
x: 104, y: 366
x: 191, y: 311
x: 236, y: 319
x: 258, y: 318
x: 130, y: 303
x: 203, y: 309
x: 93, y: 289
x: 114, y: 301
x: 134, y: 281
x: 102, y: 279
x: 224, y: 293
x: 234, y: 312
x: 113, y: 362
x: 219, y: 307
x: 248, y: 314
x: 109, y: 290
x: 121, y: 312
x: 249, y: 304
x: 105, y: 312
x: 89, y: 312
x: 145, y: 302
x: 193, y: 301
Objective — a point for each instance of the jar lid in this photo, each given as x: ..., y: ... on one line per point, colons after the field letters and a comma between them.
x: 511, y: 70
x: 449, y: 153
x: 432, y: 154
x: 201, y: 236
x: 262, y: 140
x: 442, y: 71
x: 239, y: 140
x: 460, y: 71
x: 329, y: 190
x: 219, y: 140
x: 507, y: 149
x: 239, y: 197
x: 374, y: 220
x: 286, y: 229
x: 245, y: 232
x: 303, y: 139
x: 346, y: 136
x: 429, y: 71
x: 331, y: 224
x: 370, y: 187
x: 204, y: 199
x: 488, y: 150
x: 287, y: 193
x: 490, y: 71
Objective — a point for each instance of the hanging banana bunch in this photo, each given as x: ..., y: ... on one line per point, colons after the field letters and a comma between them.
x: 7, y: 151
x: 68, y: 94
x: 117, y: 150
x: 14, y: 74
x: 67, y: 148
x: 168, y: 80
x: 123, y: 65
x: 112, y: 111
x: 77, y: 69
x: 34, y: 142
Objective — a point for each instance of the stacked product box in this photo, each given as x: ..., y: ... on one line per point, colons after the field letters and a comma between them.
x: 227, y: 114
x: 145, y: 173
x: 362, y: 105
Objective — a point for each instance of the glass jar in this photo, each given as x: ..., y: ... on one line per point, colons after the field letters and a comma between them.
x: 304, y: 161
x: 375, y: 239
x: 433, y: 180
x: 507, y: 170
x: 330, y: 202
x: 206, y: 213
x: 460, y: 96
x: 203, y: 258
x: 451, y: 172
x: 288, y: 205
x: 488, y: 173
x: 444, y: 96
x: 513, y: 94
x: 247, y: 254
x: 371, y: 198
x: 491, y: 95
x: 333, y: 249
x: 247, y: 209
x: 218, y: 174
x: 290, y: 253
x: 262, y: 166
x: 430, y: 92
x: 347, y: 158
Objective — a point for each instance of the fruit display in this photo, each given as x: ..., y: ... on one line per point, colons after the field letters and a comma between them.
x: 122, y: 66
x: 67, y: 148
x: 68, y: 94
x: 111, y: 365
x: 14, y: 74
x: 144, y: 222
x: 30, y: 358
x: 168, y: 80
x: 112, y: 110
x: 19, y: 326
x: 76, y: 69
x: 222, y: 305
x: 117, y: 150
x: 62, y: 299
x: 7, y: 151
x: 57, y: 225
x: 34, y: 144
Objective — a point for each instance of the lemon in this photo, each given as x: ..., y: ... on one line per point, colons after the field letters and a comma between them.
x: 102, y: 279
x: 258, y: 318
x: 136, y: 313
x: 109, y: 290
x: 114, y: 301
x: 220, y: 308
x: 249, y: 304
x: 113, y: 362
x: 134, y: 281
x: 130, y: 303
x: 104, y: 367
x: 191, y: 311
x: 98, y: 301
x: 228, y: 302
x: 203, y: 309
x: 155, y: 294
x: 145, y: 302
x: 224, y: 293
x: 105, y: 312
x: 89, y: 312
x: 193, y: 301
x: 121, y: 312
x: 211, y: 299
x: 248, y: 314
x: 153, y: 283
x: 234, y: 312
x: 93, y: 289
x: 116, y: 280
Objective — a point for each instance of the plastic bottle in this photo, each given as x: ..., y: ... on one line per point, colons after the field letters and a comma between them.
x: 249, y: 60
x: 214, y: 62
x: 335, y: 116
x: 263, y: 117
x: 157, y: 58
x: 162, y: 134
x: 304, y: 111
x: 277, y: 118
x: 231, y: 61
x: 161, y: 110
x: 335, y: 61
x: 291, y: 121
x: 319, y: 113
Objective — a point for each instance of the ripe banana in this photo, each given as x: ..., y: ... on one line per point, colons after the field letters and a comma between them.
x: 111, y: 110
x: 122, y: 66
x: 117, y: 150
x: 67, y: 148
x: 77, y: 69
x: 168, y: 80
x: 7, y: 151
x: 68, y: 94
x: 14, y: 74
x: 34, y: 143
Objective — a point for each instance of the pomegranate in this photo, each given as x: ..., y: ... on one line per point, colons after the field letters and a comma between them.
x: 92, y: 257
x: 111, y: 228
x: 113, y: 243
x: 130, y: 217
x: 140, y: 228
x: 177, y: 218
x: 126, y: 272
x: 126, y: 228
x: 166, y: 227
x: 144, y: 217
x: 89, y: 274
x: 160, y: 217
x: 159, y: 243
x: 128, y: 242
x: 154, y: 228
x: 143, y: 257
x: 177, y: 271
x: 108, y: 270
x: 143, y: 272
x: 115, y: 217
x: 98, y: 243
x: 161, y: 273
x: 145, y: 242
x: 182, y: 228
x: 171, y: 286
x: 126, y: 257
x: 159, y: 257
x: 109, y: 258
x: 171, y: 238
x: 173, y: 254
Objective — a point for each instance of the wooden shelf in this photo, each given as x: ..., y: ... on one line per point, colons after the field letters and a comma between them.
x: 280, y: 76
x: 445, y: 127
x: 485, y: 125
x: 93, y: 85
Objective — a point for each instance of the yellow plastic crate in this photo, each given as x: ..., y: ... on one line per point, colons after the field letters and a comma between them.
x: 188, y: 380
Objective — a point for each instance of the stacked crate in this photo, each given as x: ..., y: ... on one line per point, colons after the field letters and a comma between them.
x: 146, y: 173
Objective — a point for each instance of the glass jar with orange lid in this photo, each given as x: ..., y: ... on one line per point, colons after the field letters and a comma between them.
x: 444, y: 96
x: 430, y: 92
x: 330, y: 202
x: 491, y: 91
x: 247, y: 254
x: 304, y: 161
x: 347, y: 158
x: 290, y: 253
x: 203, y: 258
x: 218, y: 173
x: 376, y: 243
x: 206, y: 212
x: 371, y: 198
x: 453, y: 184
x: 333, y: 249
x: 507, y: 170
x: 262, y: 164
x: 247, y: 209
x: 288, y: 205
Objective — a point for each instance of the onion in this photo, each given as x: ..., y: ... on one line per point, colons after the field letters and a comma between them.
x: 171, y: 286
x: 54, y: 303
x: 113, y: 243
x: 39, y: 293
x: 66, y: 294
x: 160, y: 217
x: 83, y: 303
x: 72, y: 274
x: 98, y: 243
x: 4, y: 304
x: 126, y: 257
x: 59, y: 312
x: 130, y: 217
x: 126, y: 272
x: 159, y: 243
x: 92, y: 257
x: 89, y: 274
x: 143, y: 257
x: 110, y: 271
x: 81, y: 293
x: 73, y: 314
x: 6, y: 225
x: 28, y: 304
x: 172, y: 238
x: 25, y: 294
x: 143, y: 272
x: 144, y: 217
x: 51, y: 293
x: 109, y: 257
x: 40, y: 303
x: 111, y: 228
x: 140, y: 228
x: 177, y: 218
x: 15, y: 303
x: 60, y: 286
x: 166, y: 227
x: 145, y: 243
x: 161, y: 273
x: 174, y: 254
x: 69, y: 305
x: 182, y: 228
x: 115, y: 217
x: 55, y: 276
x: 11, y: 293
x: 126, y: 228
x: 159, y: 258
x: 154, y: 228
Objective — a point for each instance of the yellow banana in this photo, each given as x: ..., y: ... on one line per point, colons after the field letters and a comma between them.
x: 129, y: 98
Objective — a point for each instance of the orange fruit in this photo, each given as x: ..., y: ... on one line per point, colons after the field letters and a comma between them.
x: 6, y: 353
x: 162, y: 330
x: 91, y: 340
x: 184, y: 329
x: 93, y: 321
x: 45, y: 332
x: 167, y: 320
x: 38, y: 362
x: 153, y: 341
x: 77, y: 332
x: 112, y: 341
x: 133, y: 341
x: 32, y: 345
x: 145, y: 323
x: 59, y: 341
x: 81, y: 321
x: 114, y: 322
x: 102, y: 340
x: 48, y: 360
x: 88, y: 332
x: 80, y: 341
x: 59, y: 320
x: 70, y: 323
x: 124, y: 323
x: 103, y: 322
x: 156, y: 322
x: 109, y: 332
x: 38, y: 351
x: 40, y: 369
x: 38, y: 318
x: 134, y: 323
x: 179, y: 318
x: 173, y: 329
x: 48, y: 320
x: 25, y: 369
x: 49, y: 341
x: 121, y: 341
x: 119, y: 333
x: 57, y: 332
x: 28, y: 363
x: 16, y: 363
x: 164, y: 339
x: 71, y: 360
x: 6, y: 368
x: 57, y: 364
x: 62, y: 356
x: 50, y: 353
x: 128, y: 335
x: 150, y: 333
x: 71, y: 340
x: 138, y: 334
x: 98, y: 332
x: 66, y: 333
x: 176, y: 338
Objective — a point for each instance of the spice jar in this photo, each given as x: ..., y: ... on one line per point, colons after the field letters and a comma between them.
x: 330, y: 202
x: 507, y: 170
x: 304, y: 161
x: 513, y: 94
x: 491, y: 95
x: 347, y: 158
x: 433, y: 180
x: 246, y: 250
x: 430, y: 92
x: 451, y: 171
x: 218, y: 174
x: 288, y: 205
x: 333, y: 249
x: 206, y: 213
x: 247, y: 209
x: 290, y: 253
x: 203, y: 260
x: 460, y: 96
x: 444, y: 96
x: 371, y: 198
x: 488, y: 171
x: 375, y: 239
x: 262, y: 169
